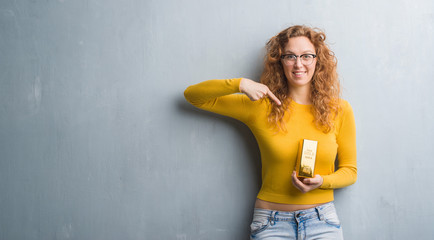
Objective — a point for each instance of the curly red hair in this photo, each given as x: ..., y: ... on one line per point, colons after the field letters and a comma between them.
x: 325, y: 88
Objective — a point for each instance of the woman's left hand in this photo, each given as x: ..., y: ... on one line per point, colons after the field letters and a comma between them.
x: 306, y: 184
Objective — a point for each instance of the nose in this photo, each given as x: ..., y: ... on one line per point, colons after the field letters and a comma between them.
x: 298, y: 62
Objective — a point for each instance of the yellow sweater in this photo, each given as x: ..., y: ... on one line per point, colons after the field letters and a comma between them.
x: 279, y: 151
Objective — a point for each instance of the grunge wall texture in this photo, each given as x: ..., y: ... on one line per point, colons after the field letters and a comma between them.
x: 97, y: 141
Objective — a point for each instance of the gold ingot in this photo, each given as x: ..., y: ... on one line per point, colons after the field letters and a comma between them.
x: 306, y: 158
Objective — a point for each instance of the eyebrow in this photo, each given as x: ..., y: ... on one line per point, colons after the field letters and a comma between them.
x: 304, y: 52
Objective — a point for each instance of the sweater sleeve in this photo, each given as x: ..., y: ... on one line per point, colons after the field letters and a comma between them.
x: 219, y: 96
x: 347, y: 156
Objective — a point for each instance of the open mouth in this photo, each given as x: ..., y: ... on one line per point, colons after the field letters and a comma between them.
x: 299, y: 73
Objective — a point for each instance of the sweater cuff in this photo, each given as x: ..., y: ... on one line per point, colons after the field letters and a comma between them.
x: 235, y: 84
x: 325, y: 183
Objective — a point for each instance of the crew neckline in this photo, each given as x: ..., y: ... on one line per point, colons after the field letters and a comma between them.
x: 301, y: 105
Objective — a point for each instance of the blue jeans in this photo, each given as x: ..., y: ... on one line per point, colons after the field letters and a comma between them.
x: 320, y: 222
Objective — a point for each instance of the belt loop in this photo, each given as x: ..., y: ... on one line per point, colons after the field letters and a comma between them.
x: 320, y: 214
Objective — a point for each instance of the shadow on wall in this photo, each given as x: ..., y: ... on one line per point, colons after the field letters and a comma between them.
x: 248, y: 140
x: 247, y: 145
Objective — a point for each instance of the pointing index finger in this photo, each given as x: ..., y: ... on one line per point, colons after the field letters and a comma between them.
x: 273, y: 97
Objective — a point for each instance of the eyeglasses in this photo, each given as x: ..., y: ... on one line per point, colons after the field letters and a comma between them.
x: 291, y: 59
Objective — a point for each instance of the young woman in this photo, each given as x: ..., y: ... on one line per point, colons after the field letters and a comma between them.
x: 298, y: 98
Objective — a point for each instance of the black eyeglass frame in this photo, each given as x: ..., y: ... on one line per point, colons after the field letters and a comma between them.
x: 297, y: 56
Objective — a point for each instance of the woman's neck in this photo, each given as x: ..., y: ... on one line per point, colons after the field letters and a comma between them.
x: 301, y: 95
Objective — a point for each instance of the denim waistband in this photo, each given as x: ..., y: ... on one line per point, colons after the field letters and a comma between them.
x: 300, y: 215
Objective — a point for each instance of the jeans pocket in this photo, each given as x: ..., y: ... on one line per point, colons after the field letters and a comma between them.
x: 331, y: 217
x: 259, y: 224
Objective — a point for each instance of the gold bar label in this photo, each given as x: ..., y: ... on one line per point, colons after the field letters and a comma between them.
x: 306, y: 158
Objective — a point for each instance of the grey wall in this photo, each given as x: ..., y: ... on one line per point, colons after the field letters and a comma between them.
x: 97, y: 142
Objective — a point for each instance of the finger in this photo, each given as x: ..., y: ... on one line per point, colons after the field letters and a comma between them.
x: 273, y: 97
x: 295, y: 180
x: 320, y: 179
x: 256, y: 96
x: 297, y: 183
x: 259, y: 95
x: 317, y: 180
x: 310, y: 181
x: 299, y: 179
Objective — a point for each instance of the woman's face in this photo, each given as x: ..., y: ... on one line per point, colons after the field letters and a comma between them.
x: 298, y: 72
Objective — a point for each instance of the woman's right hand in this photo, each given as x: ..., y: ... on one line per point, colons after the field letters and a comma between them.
x: 256, y: 91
